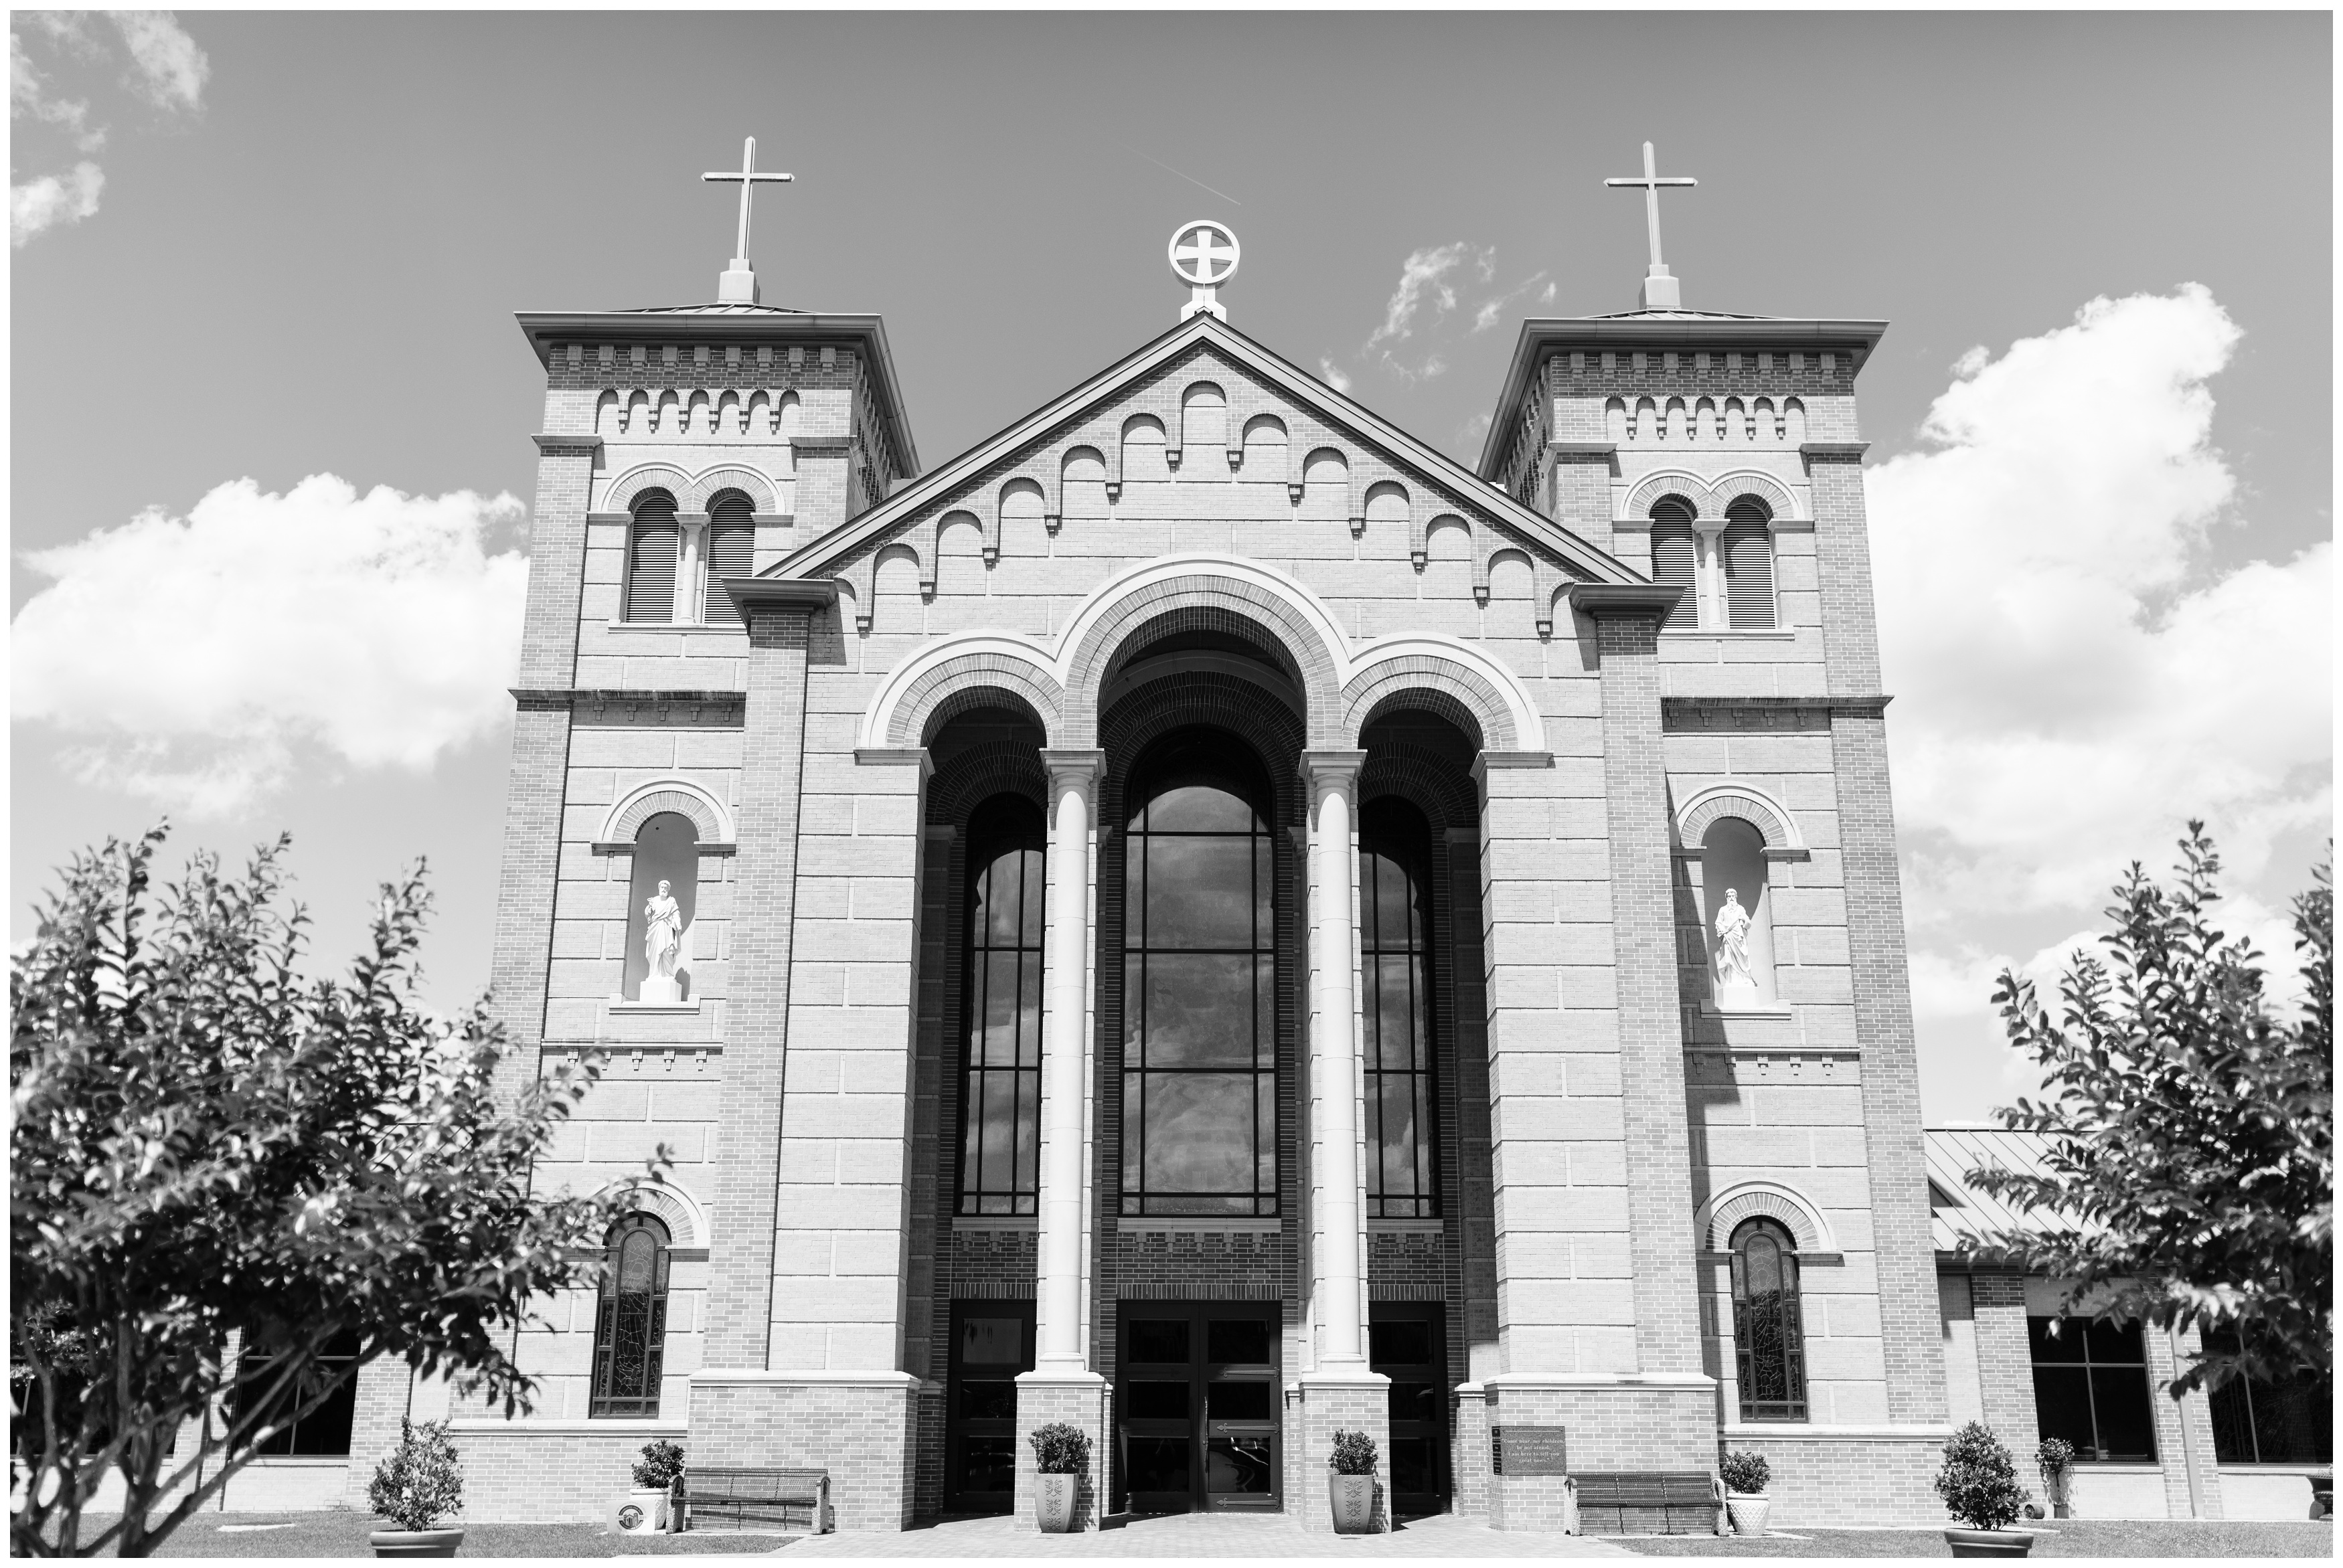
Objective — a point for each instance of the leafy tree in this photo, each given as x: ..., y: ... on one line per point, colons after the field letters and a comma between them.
x: 206, y: 1145
x: 1978, y: 1480
x: 2188, y: 1138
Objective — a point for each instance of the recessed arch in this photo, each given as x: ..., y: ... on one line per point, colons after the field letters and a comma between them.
x: 915, y: 697
x: 1730, y: 488
x: 1503, y: 719
x: 675, y: 1206
x: 733, y: 477
x: 1660, y: 487
x: 630, y: 486
x: 1747, y: 802
x: 1714, y: 1221
x: 710, y: 817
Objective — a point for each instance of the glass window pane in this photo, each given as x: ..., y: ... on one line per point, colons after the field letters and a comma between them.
x: 1239, y: 1402
x: 992, y: 1341
x: 2053, y: 1339
x: 2294, y: 1420
x: 1157, y: 1340
x: 1200, y: 893
x: 1264, y: 1140
x: 2120, y: 1397
x: 999, y: 1042
x: 1404, y: 1343
x: 1264, y: 892
x: 1237, y: 1341
x: 2233, y: 1424
x: 1001, y: 922
x: 1198, y: 808
x: 1197, y: 1009
x: 1410, y: 1472
x: 1200, y: 1132
x: 988, y: 1401
x: 1264, y: 1014
x: 2062, y: 1406
x: 1414, y: 1401
x: 1134, y: 1128
x: 1394, y: 1001
x: 988, y: 1463
x: 1238, y: 1465
x: 1033, y: 905
x: 1157, y: 1463
x: 1393, y: 898
x: 1149, y: 1399
x: 1395, y: 1112
x: 2104, y: 1342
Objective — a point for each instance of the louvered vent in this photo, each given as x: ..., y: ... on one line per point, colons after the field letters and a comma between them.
x: 1673, y: 555
x: 732, y: 553
x: 650, y: 559
x: 1748, y: 569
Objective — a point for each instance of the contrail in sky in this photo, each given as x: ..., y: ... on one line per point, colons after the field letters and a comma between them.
x: 1191, y: 179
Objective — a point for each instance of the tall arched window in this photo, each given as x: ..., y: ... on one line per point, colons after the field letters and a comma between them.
x: 1747, y: 547
x: 1200, y: 991
x: 1000, y: 1075
x: 652, y: 542
x: 1674, y: 558
x: 1395, y: 992
x: 1769, y: 1341
x: 630, y: 1319
x: 732, y: 553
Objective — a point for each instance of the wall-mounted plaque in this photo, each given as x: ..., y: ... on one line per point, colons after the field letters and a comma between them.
x: 1528, y: 1450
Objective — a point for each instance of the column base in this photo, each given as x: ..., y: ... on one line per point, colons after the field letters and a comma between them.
x: 861, y: 1426
x: 1319, y: 1404
x: 1080, y: 1400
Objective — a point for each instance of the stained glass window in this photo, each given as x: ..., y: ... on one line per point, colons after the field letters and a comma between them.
x: 1768, y: 1339
x: 630, y: 1319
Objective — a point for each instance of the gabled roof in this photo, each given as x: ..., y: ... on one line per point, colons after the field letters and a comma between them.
x: 1952, y: 1153
x: 1304, y: 389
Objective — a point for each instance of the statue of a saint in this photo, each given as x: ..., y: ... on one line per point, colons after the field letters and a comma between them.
x: 1733, y: 974
x: 662, y: 945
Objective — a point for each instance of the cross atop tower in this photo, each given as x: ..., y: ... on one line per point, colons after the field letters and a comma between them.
x: 738, y: 286
x: 1661, y: 292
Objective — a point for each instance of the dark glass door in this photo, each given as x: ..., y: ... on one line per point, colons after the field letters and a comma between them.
x: 1196, y: 1398
x: 1408, y: 1344
x: 992, y: 1342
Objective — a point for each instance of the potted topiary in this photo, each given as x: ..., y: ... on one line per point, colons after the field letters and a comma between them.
x: 1978, y: 1482
x: 2055, y: 1460
x: 1351, y: 1486
x: 1062, y: 1452
x: 417, y: 1484
x: 650, y: 1507
x: 1744, y: 1475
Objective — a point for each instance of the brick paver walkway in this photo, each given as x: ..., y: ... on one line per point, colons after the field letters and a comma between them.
x: 1221, y: 1536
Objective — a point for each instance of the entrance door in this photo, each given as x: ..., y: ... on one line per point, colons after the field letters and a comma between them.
x: 1408, y: 1343
x: 992, y: 1342
x: 1197, y: 1397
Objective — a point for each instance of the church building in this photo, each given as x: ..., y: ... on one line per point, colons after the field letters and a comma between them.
x: 1205, y: 917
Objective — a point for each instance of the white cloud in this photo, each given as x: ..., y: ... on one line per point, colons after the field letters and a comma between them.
x: 2072, y: 680
x: 1444, y: 292
x: 46, y: 202
x: 163, y: 67
x: 198, y: 659
x: 1423, y: 278
x: 1334, y: 374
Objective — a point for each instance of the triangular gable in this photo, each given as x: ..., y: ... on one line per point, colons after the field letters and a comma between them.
x: 1444, y: 479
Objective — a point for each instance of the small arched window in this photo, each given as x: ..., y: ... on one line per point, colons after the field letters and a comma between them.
x: 630, y: 1319
x: 1001, y: 1082
x: 1748, y: 550
x: 1675, y: 555
x: 1769, y: 1341
x: 732, y: 553
x: 652, y: 542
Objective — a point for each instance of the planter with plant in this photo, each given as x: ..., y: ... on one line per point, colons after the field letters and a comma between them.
x: 1744, y: 1475
x: 2055, y: 1460
x: 1351, y: 1486
x: 652, y: 1508
x: 1062, y: 1453
x: 1978, y: 1481
x: 417, y: 1484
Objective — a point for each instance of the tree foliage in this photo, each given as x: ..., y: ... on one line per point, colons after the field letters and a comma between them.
x: 419, y: 1482
x: 219, y: 1166
x: 1978, y: 1480
x: 2187, y: 1131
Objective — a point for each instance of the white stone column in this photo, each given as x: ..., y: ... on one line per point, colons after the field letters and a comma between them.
x: 1708, y: 575
x: 1339, y: 1204
x: 1067, y: 1041
x: 686, y: 566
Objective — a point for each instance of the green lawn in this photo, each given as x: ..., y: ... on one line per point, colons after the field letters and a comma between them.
x: 344, y: 1534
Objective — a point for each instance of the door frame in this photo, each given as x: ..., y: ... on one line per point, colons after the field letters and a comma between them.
x: 1201, y: 1374
x: 957, y: 1425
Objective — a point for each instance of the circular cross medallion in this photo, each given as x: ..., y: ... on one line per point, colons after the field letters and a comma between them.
x: 1204, y: 254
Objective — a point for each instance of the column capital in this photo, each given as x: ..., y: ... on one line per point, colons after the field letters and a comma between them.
x: 1073, y: 769
x: 1331, y: 769
x: 691, y: 522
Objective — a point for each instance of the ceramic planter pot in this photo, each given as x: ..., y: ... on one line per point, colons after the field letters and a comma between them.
x: 1353, y: 1497
x: 417, y: 1543
x: 1989, y: 1543
x: 642, y: 1511
x: 1748, y: 1510
x: 1054, y: 1501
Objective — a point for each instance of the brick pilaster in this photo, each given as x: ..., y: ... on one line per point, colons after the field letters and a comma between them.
x: 749, y: 1134
x: 2004, y: 1361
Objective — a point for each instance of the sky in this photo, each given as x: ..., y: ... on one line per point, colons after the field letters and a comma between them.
x: 270, y: 412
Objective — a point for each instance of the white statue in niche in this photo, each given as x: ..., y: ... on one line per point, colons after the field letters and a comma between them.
x: 1734, y: 982
x: 662, y: 946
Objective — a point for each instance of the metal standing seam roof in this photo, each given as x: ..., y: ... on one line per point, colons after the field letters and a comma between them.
x: 1952, y: 1153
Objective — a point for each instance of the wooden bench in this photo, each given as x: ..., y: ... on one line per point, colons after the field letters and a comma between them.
x: 1649, y: 1503
x: 746, y: 1498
